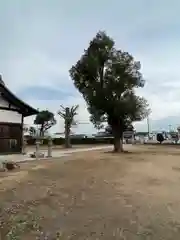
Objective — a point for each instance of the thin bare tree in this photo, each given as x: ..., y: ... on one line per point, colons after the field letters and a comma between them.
x: 68, y: 114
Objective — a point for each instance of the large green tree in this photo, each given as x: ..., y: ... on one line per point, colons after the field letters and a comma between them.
x: 45, y: 120
x: 107, y: 79
x: 68, y: 114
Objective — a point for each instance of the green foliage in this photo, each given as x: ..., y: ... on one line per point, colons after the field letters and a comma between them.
x: 32, y: 131
x: 160, y: 137
x: 97, y: 118
x: 68, y: 114
x: 45, y: 120
x: 75, y: 141
x: 107, y: 78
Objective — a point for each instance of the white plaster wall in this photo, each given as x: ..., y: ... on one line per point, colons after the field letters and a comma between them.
x: 10, y: 116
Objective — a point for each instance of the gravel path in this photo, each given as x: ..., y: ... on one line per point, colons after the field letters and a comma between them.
x: 55, y: 153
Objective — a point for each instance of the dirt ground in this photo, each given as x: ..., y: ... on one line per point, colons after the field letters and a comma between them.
x: 94, y: 195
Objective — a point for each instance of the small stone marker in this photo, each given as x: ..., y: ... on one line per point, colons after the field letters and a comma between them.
x: 2, y: 168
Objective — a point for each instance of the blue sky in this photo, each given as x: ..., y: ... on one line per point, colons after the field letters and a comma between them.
x: 40, y: 40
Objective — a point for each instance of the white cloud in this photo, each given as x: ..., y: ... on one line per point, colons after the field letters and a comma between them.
x: 35, y: 69
x: 41, y: 40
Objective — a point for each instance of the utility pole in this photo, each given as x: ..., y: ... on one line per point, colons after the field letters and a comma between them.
x: 148, y: 126
x: 169, y: 128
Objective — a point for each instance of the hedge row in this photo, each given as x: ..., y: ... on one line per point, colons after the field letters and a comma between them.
x: 61, y: 141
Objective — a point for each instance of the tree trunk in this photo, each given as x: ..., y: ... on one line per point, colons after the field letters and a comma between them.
x: 118, y: 139
x: 118, y: 144
x: 67, y: 130
x: 67, y: 139
x: 42, y: 131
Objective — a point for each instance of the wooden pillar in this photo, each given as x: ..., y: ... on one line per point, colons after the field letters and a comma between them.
x: 23, y: 141
x: 67, y: 128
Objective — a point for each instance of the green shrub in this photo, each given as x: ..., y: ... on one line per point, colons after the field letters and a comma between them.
x: 74, y: 141
x: 160, y: 137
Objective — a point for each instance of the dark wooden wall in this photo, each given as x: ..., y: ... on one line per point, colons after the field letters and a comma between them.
x: 10, y: 138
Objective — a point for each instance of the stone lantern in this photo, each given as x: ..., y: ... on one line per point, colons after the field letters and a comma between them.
x: 38, y: 142
x: 24, y: 145
x: 50, y: 146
